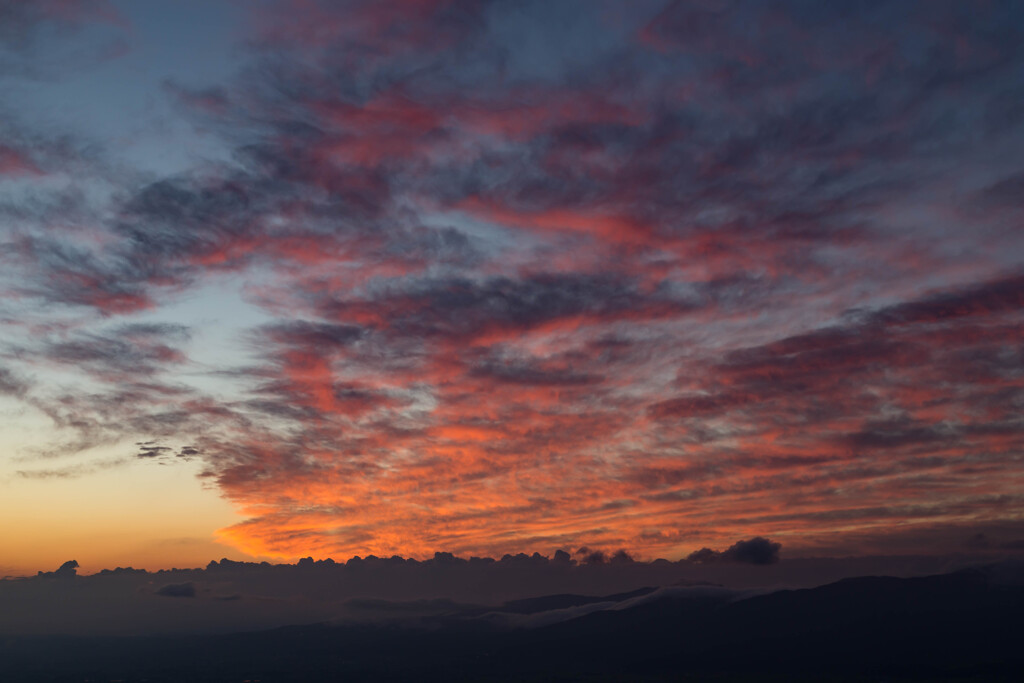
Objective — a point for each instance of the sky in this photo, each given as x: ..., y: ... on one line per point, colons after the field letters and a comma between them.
x: 292, y: 278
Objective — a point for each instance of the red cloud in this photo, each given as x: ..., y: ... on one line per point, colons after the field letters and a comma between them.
x: 15, y: 163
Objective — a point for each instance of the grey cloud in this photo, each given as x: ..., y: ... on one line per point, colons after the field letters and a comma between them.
x: 531, y: 373
x: 128, y: 351
x: 458, y: 307
x: 73, y: 471
x: 755, y: 551
x: 177, y: 590
x: 150, y: 449
x: 11, y: 384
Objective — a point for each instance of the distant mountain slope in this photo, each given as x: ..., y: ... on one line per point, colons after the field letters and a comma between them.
x: 961, y: 626
x: 958, y: 625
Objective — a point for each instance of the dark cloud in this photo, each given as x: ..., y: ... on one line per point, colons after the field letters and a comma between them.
x: 1005, y: 192
x: 755, y: 551
x: 68, y: 570
x: 323, y: 337
x: 177, y: 590
x: 703, y: 555
x: 129, y: 351
x: 149, y: 449
x: 621, y: 557
x: 895, y: 433
x: 75, y: 276
x: 562, y: 557
x: 465, y: 309
x: 11, y: 384
x: 989, y: 298
x: 529, y: 372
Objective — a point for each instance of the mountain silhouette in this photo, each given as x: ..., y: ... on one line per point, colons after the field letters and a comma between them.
x: 960, y: 626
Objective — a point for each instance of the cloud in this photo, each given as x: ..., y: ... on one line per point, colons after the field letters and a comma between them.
x: 703, y: 555
x: 993, y: 297
x: 639, y: 286
x: 177, y: 590
x: 129, y: 352
x: 16, y: 163
x: 68, y: 570
x: 27, y: 38
x: 73, y: 471
x: 11, y: 384
x: 22, y: 20
x: 756, y: 551
x: 149, y: 449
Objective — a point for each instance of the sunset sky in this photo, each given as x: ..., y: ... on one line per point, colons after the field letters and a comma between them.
x: 290, y: 278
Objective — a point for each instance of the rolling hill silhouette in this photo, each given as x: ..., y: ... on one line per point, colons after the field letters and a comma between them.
x: 961, y: 626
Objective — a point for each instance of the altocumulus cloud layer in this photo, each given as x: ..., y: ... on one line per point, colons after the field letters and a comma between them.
x: 646, y: 275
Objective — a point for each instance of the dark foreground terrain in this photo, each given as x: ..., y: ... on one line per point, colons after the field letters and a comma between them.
x: 966, y: 626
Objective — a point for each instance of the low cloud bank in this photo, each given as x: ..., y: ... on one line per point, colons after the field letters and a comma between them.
x: 230, y: 596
